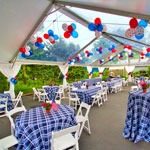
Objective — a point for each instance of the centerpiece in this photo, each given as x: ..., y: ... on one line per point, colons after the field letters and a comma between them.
x: 87, y: 85
x: 144, y: 87
x: 47, y: 107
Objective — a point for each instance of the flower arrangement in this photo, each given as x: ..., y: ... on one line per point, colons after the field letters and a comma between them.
x: 87, y: 85
x: 145, y: 86
x: 47, y: 107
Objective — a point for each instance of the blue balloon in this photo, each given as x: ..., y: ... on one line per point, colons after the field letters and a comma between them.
x: 15, y: 81
x: 74, y: 34
x: 147, y: 54
x: 12, y: 79
x: 55, y: 37
x: 71, y: 60
x: 90, y: 72
x: 37, y: 44
x: 92, y: 27
x: 97, y: 49
x: 31, y: 53
x: 41, y: 46
x: 74, y: 25
x: 99, y: 27
x: 63, y: 76
x: 90, y: 54
x: 50, y: 32
x: 139, y: 37
x: 23, y: 55
x: 113, y: 46
x: 110, y: 48
x: 143, y: 23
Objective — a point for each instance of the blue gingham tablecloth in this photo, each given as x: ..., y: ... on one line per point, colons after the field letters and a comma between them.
x: 92, y: 81
x: 85, y: 95
x: 33, y: 128
x: 51, y: 90
x: 77, y: 84
x: 137, y: 123
x: 10, y: 105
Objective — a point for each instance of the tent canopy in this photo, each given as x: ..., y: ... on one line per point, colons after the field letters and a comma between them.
x: 23, y: 19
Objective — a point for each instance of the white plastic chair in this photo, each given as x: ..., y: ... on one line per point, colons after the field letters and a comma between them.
x: 82, y: 119
x: 59, y: 95
x: 114, y: 88
x: 64, y: 139
x: 97, y: 98
x: 74, y: 101
x: 3, y: 106
x: 104, y: 94
x: 18, y: 99
x: 134, y: 88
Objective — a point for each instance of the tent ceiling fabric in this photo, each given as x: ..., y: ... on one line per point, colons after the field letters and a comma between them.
x: 134, y: 8
x: 17, y: 19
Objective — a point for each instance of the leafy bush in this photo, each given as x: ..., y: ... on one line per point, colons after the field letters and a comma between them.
x: 4, y: 84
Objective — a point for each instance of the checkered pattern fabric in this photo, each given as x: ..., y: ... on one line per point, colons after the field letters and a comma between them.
x: 51, y: 90
x: 137, y: 123
x: 9, y: 102
x: 33, y: 128
x: 85, y: 95
x: 92, y: 81
x: 77, y: 84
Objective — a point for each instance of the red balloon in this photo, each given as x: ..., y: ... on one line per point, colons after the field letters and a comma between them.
x: 39, y: 39
x: 86, y: 51
x: 142, y: 54
x: 129, y: 47
x: 89, y: 74
x: 100, y: 48
x: 125, y: 46
x: 16, y: 78
x: 97, y: 21
x: 133, y: 23
x: 88, y: 55
x: 70, y: 28
x: 75, y: 56
x: 67, y: 34
x: 129, y: 73
x: 69, y: 59
x: 148, y: 49
x: 113, y: 50
x: 46, y: 36
x: 78, y: 59
x: 22, y: 50
x: 142, y: 57
x: 53, y: 41
x: 66, y: 74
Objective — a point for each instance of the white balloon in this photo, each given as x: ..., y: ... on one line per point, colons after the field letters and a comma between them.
x: 51, y: 39
x: 129, y: 52
x: 81, y: 58
x: 144, y: 51
x: 126, y: 49
x: 79, y: 55
x: 98, y: 34
x: 34, y: 47
x: 27, y: 53
x: 73, y: 60
x: 65, y: 27
x: 27, y: 48
x: 32, y: 40
x: 144, y: 48
x: 72, y: 63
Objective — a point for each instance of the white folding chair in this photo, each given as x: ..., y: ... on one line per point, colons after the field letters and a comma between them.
x: 97, y: 98
x: 64, y: 139
x: 59, y: 95
x: 82, y: 119
x: 104, y: 94
x: 18, y: 99
x: 114, y: 88
x: 3, y: 106
x: 74, y: 101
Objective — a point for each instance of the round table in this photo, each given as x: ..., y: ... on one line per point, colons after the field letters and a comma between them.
x: 33, y: 128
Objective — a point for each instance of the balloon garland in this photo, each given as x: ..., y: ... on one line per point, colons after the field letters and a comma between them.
x: 71, y: 61
x: 136, y: 29
x: 70, y: 30
x: 131, y: 55
x: 145, y: 52
x: 91, y: 73
x: 39, y: 43
x: 110, y: 58
x: 78, y: 57
x: 97, y: 26
x: 128, y: 49
x: 112, y: 49
x: 99, y: 50
x: 51, y: 36
x: 26, y: 51
x: 13, y: 80
x: 89, y: 53
x: 100, y: 73
x: 120, y: 55
x: 101, y: 61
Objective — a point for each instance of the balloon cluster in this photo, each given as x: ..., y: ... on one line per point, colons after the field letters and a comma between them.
x: 39, y: 43
x: 136, y: 28
x: 131, y: 55
x: 91, y: 73
x: 128, y: 49
x: 26, y: 51
x: 110, y: 58
x: 97, y: 26
x: 51, y: 36
x: 101, y: 73
x: 66, y: 75
x: 120, y: 55
x: 112, y: 49
x: 129, y: 73
x: 70, y: 30
x: 71, y: 61
x: 78, y: 57
x: 99, y: 50
x: 101, y: 61
x: 13, y: 80
x: 89, y: 53
x: 145, y: 52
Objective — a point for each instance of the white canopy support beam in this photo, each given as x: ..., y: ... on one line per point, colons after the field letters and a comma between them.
x: 102, y: 8
x: 33, y: 30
